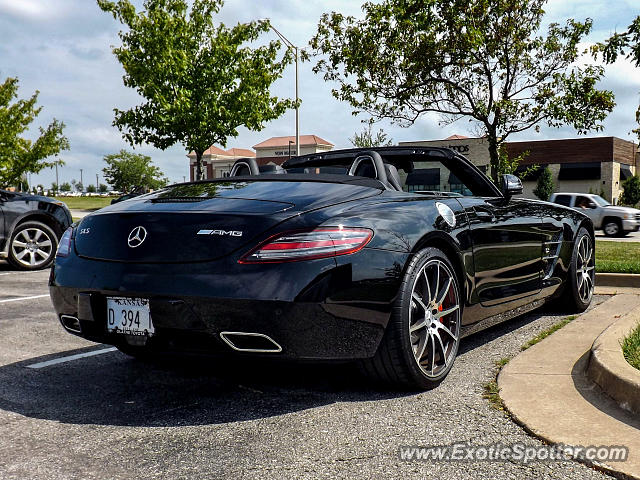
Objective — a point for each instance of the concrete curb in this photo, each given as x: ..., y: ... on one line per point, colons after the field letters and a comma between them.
x: 609, y: 369
x: 630, y: 280
x: 546, y: 390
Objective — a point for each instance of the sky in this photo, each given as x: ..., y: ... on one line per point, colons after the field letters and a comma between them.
x: 62, y: 48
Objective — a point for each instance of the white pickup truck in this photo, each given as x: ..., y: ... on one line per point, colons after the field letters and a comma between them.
x: 613, y: 220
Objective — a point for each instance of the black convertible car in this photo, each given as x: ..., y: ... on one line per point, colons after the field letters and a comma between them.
x: 388, y: 256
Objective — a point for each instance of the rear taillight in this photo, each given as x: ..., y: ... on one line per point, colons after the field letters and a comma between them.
x: 64, y: 245
x: 307, y: 245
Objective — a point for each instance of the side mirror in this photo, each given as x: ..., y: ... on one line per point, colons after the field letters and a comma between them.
x: 592, y: 205
x: 511, y: 185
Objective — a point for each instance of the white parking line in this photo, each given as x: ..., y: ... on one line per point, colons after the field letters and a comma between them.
x: 71, y: 358
x: 21, y: 272
x: 24, y: 298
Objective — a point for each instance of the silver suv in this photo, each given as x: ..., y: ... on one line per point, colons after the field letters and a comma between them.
x: 613, y: 220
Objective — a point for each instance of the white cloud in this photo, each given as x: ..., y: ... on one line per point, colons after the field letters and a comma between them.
x: 31, y: 9
x: 63, y: 49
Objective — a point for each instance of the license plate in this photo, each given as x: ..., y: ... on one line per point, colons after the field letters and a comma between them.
x: 129, y: 316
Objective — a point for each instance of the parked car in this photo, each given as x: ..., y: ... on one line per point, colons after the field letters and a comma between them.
x: 30, y: 227
x: 389, y: 259
x: 615, y: 221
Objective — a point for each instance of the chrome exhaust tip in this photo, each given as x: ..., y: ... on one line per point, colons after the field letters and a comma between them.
x: 72, y: 324
x: 250, y: 342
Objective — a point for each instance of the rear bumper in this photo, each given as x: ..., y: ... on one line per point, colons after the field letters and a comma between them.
x: 193, y: 325
x: 318, y: 310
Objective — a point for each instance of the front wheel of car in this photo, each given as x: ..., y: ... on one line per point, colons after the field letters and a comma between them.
x: 32, y: 246
x: 422, y: 337
x: 612, y: 227
x: 581, y: 278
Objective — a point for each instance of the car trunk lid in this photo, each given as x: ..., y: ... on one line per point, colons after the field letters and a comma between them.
x: 199, y: 222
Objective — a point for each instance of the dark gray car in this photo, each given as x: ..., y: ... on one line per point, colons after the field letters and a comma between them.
x: 30, y: 228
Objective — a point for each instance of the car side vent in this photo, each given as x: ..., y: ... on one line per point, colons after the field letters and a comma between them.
x: 550, y: 254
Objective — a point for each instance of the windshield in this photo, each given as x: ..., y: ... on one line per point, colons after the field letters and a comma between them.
x: 600, y: 201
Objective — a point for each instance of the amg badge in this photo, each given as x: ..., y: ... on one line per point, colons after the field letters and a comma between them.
x: 231, y: 233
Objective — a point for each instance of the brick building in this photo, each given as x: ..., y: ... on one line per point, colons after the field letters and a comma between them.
x: 595, y: 164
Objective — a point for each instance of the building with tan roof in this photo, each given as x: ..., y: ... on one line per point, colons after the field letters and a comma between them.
x: 276, y: 150
x: 216, y: 162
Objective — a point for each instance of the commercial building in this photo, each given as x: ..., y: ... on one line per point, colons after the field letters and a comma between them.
x: 278, y: 149
x: 597, y: 164
x: 217, y: 163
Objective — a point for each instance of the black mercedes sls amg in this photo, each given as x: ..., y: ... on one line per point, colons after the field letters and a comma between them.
x: 388, y: 256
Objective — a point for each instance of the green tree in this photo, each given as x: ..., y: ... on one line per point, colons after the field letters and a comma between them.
x: 631, y: 192
x: 484, y: 61
x: 545, y: 186
x: 65, y: 187
x: 54, y: 188
x: 102, y: 188
x: 626, y: 44
x: 369, y: 138
x: 19, y: 155
x: 126, y: 171
x: 199, y: 81
x: 510, y: 165
x: 91, y: 188
x: 79, y: 187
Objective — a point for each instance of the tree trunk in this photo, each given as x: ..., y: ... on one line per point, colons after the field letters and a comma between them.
x: 198, y: 165
x: 494, y: 157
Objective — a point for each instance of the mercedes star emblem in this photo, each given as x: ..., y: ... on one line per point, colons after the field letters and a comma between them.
x: 137, y: 236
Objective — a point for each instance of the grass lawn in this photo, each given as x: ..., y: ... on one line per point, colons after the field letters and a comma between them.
x: 545, y: 333
x: 86, y: 203
x: 618, y: 257
x: 631, y: 348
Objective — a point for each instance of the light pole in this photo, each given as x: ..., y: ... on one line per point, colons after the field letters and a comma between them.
x: 97, y: 186
x: 288, y: 43
x: 290, y: 142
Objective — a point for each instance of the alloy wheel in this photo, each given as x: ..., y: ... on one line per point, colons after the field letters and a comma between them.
x: 611, y: 229
x: 585, y: 266
x: 32, y: 247
x: 434, y: 318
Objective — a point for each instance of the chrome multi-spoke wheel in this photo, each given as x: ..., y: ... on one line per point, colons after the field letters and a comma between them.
x: 585, y: 268
x: 434, y: 318
x: 578, y: 289
x: 33, y: 246
x: 421, y: 340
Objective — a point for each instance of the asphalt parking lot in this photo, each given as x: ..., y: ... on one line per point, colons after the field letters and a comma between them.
x: 108, y: 416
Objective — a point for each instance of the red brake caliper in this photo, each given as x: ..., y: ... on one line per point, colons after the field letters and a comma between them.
x: 440, y: 309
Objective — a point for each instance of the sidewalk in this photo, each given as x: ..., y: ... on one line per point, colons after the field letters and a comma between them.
x: 546, y: 389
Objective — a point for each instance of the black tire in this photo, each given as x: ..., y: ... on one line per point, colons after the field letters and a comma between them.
x: 612, y: 227
x: 573, y: 298
x: 32, y: 246
x: 395, y: 361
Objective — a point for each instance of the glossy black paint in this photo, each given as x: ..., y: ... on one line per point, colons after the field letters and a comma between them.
x: 502, y: 249
x: 16, y: 208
